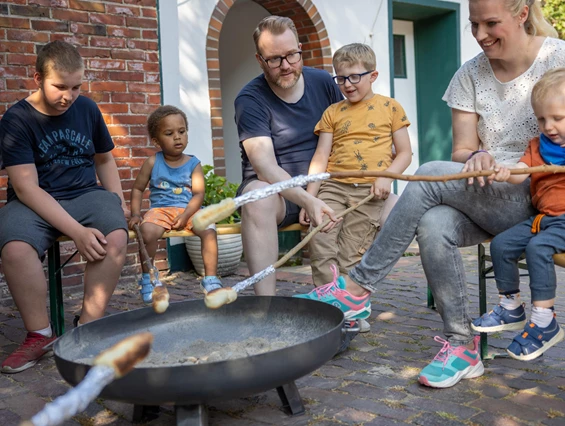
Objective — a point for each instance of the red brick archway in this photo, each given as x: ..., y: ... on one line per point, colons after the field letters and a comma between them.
x: 315, y: 46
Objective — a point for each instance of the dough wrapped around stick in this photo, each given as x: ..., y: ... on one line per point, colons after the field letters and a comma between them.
x: 109, y: 365
x: 220, y: 297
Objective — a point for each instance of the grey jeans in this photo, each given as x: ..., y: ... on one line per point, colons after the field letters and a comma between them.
x: 444, y: 216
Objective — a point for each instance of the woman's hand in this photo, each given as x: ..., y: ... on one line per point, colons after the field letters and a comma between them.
x: 479, y: 161
x: 303, y: 218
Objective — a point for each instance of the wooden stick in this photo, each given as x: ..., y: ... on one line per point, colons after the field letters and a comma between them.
x: 142, y: 250
x: 160, y: 295
x: 444, y: 178
x: 317, y: 229
x: 223, y: 296
x: 217, y: 212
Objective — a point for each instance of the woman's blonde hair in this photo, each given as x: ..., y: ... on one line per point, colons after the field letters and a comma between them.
x: 535, y: 24
x: 552, y: 83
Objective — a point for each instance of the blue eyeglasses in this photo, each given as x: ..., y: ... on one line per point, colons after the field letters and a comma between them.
x: 353, y: 78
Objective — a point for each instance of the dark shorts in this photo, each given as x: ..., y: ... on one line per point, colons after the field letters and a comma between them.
x: 98, y: 209
x: 291, y: 212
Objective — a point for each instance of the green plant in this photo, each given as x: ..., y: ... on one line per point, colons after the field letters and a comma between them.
x: 217, y: 189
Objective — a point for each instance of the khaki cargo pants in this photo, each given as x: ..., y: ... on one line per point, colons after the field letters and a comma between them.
x: 344, y: 245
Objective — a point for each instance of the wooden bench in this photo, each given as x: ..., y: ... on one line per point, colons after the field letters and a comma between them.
x: 486, y: 272
x: 55, y: 268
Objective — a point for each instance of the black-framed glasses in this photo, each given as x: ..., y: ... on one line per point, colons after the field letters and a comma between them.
x: 353, y: 78
x: 291, y: 58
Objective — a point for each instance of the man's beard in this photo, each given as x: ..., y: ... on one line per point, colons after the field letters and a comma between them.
x: 284, y: 84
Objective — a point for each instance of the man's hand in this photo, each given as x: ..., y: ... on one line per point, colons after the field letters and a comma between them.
x: 90, y: 242
x: 127, y: 211
x: 478, y: 162
x: 316, y: 209
x: 381, y: 188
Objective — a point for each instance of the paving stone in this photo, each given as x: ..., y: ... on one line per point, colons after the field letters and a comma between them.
x: 495, y: 419
x: 432, y: 405
x: 25, y: 405
x: 375, y: 379
x: 505, y: 407
x: 9, y: 418
x: 353, y: 416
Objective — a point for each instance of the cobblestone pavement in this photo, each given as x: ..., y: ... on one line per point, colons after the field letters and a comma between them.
x: 373, y: 383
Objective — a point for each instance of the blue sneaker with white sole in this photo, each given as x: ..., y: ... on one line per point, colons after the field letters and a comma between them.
x: 534, y: 341
x: 501, y: 319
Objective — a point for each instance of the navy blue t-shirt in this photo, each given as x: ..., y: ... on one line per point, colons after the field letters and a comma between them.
x: 259, y: 112
x: 62, y: 147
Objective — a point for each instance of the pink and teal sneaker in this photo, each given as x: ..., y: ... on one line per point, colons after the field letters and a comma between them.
x: 452, y: 364
x: 334, y: 293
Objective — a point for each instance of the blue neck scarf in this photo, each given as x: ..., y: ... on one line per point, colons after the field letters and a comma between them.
x: 550, y: 152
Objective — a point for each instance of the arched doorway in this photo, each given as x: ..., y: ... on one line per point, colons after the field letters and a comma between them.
x: 237, y: 19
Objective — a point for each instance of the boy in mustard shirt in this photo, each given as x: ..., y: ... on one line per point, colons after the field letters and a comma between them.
x: 358, y: 133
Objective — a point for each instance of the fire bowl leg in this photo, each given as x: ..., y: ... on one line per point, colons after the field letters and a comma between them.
x: 145, y: 413
x: 291, y: 399
x: 191, y: 415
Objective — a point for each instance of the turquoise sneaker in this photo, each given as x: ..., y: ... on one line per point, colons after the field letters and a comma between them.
x: 452, y: 364
x: 334, y: 293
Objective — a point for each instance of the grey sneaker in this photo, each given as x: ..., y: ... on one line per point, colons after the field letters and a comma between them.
x: 209, y: 284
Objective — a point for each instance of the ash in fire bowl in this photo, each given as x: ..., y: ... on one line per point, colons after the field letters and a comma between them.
x: 201, y: 352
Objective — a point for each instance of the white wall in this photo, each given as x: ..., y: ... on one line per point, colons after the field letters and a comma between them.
x: 185, y: 78
x: 237, y: 67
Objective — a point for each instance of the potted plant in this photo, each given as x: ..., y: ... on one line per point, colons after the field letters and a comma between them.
x: 230, y: 247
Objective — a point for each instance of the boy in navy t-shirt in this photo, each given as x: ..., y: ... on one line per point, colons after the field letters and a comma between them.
x: 54, y: 145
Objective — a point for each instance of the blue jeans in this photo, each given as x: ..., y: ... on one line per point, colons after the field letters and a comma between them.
x: 506, y: 249
x: 444, y: 216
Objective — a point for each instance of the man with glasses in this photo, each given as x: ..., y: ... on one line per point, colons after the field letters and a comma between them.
x: 276, y: 114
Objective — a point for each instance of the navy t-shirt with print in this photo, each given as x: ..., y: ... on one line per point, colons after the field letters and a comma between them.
x: 62, y: 147
x: 259, y: 112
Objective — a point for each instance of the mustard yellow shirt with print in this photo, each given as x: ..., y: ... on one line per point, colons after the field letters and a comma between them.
x: 362, y: 134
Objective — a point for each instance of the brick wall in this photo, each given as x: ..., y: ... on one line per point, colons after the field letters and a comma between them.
x: 119, y: 43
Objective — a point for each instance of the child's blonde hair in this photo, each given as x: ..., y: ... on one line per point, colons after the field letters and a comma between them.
x: 353, y: 54
x: 156, y: 116
x: 552, y: 83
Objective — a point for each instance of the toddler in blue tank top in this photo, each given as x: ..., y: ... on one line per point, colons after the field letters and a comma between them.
x: 176, y: 185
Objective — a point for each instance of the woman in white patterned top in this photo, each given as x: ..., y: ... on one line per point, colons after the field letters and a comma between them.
x: 493, y: 121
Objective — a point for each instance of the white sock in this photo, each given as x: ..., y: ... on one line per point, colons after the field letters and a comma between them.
x: 541, y: 316
x: 510, y: 301
x: 47, y: 332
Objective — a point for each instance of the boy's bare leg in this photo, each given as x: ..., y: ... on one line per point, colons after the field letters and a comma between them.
x: 209, y: 244
x: 26, y: 281
x: 101, y: 278
x: 260, y: 238
x: 151, y: 234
